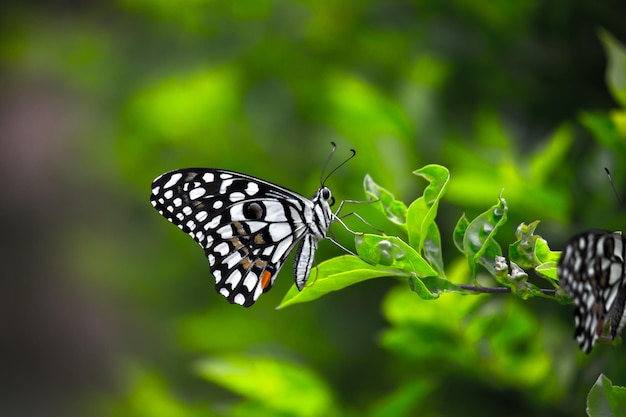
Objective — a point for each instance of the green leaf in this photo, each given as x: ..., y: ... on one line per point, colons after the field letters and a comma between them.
x: 438, y: 285
x: 550, y: 159
x: 394, y: 210
x: 522, y: 251
x: 152, y: 395
x: 403, y: 401
x: 281, y: 386
x: 334, y: 275
x: 604, y: 130
x: 478, y: 238
x: 605, y: 399
x: 423, y: 231
x: 359, y: 110
x: 548, y: 270
x: 532, y: 251
x: 394, y: 252
x: 459, y: 232
x: 619, y: 119
x: 616, y: 68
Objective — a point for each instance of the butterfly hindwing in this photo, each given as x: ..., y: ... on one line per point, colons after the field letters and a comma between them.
x: 591, y: 272
x: 246, y: 226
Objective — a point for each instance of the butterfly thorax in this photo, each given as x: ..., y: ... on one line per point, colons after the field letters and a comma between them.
x: 320, y: 217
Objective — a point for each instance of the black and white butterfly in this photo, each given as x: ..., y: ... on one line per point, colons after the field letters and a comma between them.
x: 591, y: 271
x: 246, y: 226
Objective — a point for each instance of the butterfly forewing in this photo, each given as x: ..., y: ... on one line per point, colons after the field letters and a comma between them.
x: 246, y: 226
x: 591, y: 272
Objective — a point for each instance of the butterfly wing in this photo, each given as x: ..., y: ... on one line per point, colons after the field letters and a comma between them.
x: 246, y: 226
x: 591, y: 272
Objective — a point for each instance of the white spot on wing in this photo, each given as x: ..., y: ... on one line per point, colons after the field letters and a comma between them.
x: 281, y: 249
x: 177, y: 202
x: 239, y: 299
x: 296, y: 216
x: 222, y: 248
x: 236, y: 213
x: 232, y: 260
x: 234, y: 278
x: 208, y: 177
x: 224, y: 292
x: 256, y: 226
x: 251, y: 281
x: 173, y: 180
x: 201, y: 216
x: 156, y: 190
x: 225, y: 184
x: 187, y: 210
x: 611, y: 299
x: 168, y: 194
x: 279, y: 231
x: 617, y: 251
x: 258, y: 291
x: 274, y: 212
x: 252, y: 188
x: 218, y: 204
x: 226, y: 232
x: 213, y: 223
x: 197, y: 193
x: 237, y: 196
x: 615, y: 273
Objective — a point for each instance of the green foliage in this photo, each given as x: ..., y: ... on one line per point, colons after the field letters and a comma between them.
x: 505, y: 111
x: 500, y: 338
x: 272, y: 387
x: 419, y: 257
x: 336, y: 274
x: 606, y: 399
x: 477, y: 238
x: 610, y: 128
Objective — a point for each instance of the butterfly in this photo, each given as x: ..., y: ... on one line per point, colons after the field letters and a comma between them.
x: 246, y: 226
x: 591, y: 271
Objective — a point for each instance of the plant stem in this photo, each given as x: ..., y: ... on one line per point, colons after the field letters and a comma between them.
x: 500, y: 290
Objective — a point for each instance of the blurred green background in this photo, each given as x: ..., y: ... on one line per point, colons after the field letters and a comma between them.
x: 106, y: 309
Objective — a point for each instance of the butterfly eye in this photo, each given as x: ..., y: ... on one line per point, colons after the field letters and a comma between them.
x: 326, y: 195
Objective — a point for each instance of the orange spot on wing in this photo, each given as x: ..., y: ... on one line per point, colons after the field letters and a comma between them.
x: 266, y: 278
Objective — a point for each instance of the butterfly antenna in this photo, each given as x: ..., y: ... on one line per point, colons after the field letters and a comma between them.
x: 326, y: 163
x: 608, y: 173
x: 322, y: 182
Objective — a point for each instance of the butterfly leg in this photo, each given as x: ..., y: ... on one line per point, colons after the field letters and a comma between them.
x: 355, y: 214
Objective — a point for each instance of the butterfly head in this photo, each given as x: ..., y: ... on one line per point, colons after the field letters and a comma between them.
x: 326, y: 195
x: 324, y: 198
